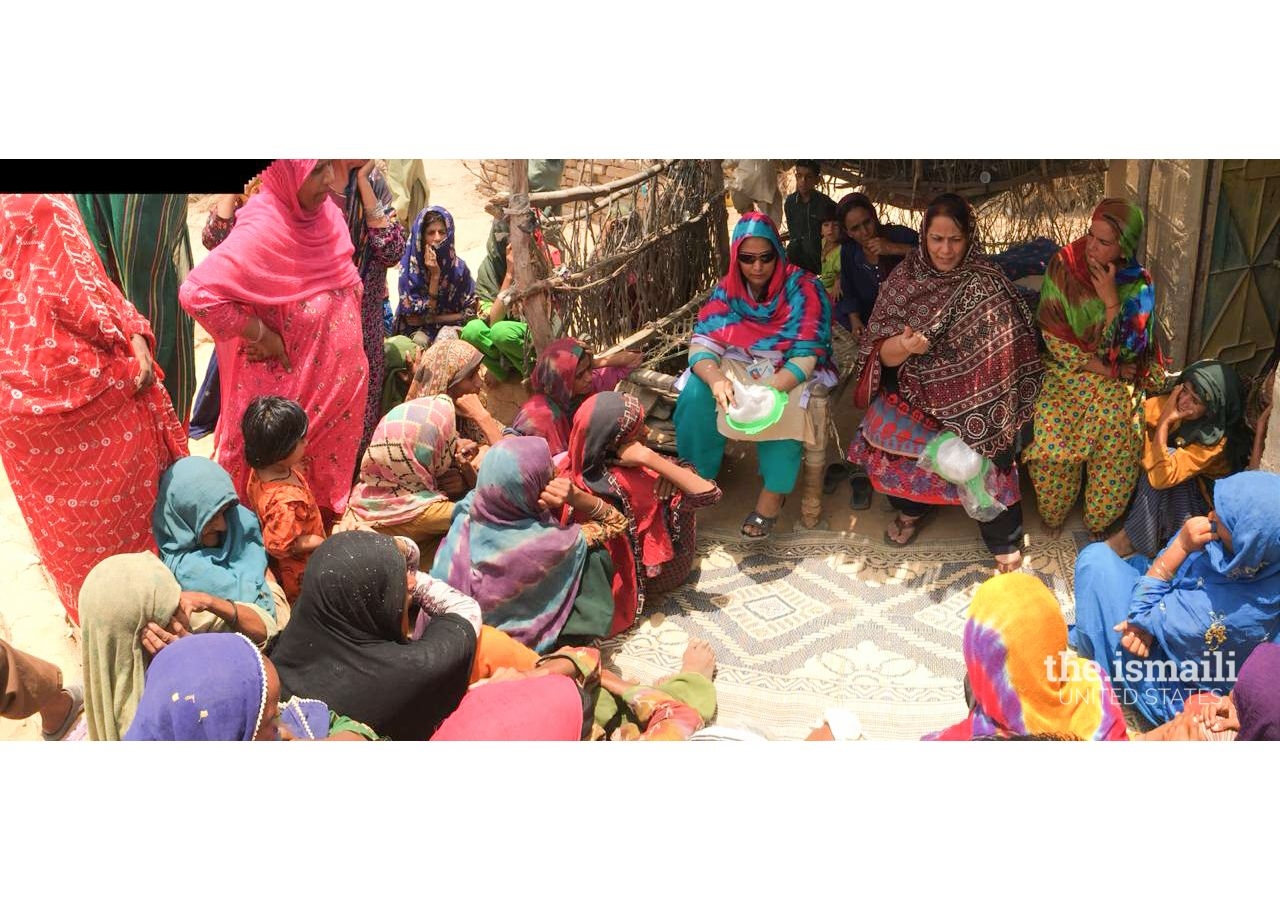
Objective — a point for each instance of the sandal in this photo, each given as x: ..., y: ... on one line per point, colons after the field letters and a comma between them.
x: 1005, y: 568
x: 910, y: 525
x: 77, y: 707
x: 755, y: 520
x: 860, y: 491
x: 836, y: 473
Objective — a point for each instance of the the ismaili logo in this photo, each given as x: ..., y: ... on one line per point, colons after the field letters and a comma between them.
x: 1214, y: 672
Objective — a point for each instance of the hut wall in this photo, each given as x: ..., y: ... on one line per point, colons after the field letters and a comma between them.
x: 1171, y: 193
x: 576, y: 171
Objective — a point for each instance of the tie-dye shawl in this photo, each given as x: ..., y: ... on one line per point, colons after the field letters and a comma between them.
x: 547, y: 414
x: 794, y: 319
x: 1071, y: 310
x: 411, y: 447
x: 510, y: 554
x: 1023, y: 679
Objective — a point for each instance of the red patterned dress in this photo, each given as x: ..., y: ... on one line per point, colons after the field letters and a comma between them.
x: 82, y: 450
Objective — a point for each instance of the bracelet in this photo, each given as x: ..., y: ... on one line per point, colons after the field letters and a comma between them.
x: 1161, y: 572
x: 262, y: 329
x: 235, y: 616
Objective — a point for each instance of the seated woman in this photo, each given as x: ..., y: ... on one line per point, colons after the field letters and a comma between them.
x: 1194, y: 435
x: 399, y: 355
x: 869, y: 251
x: 948, y: 348
x: 214, y: 547
x: 533, y: 578
x: 1097, y: 315
x: 219, y: 687
x: 404, y: 482
x: 130, y: 608
x: 568, y: 696
x: 1181, y: 624
x: 348, y: 642
x: 658, y: 496
x: 1023, y: 679
x: 436, y: 287
x: 767, y: 321
x: 452, y: 367
x: 566, y: 374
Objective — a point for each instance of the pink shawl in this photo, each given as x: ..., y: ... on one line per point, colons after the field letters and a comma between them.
x: 278, y: 253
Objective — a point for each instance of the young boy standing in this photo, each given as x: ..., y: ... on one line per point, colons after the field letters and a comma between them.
x: 805, y: 211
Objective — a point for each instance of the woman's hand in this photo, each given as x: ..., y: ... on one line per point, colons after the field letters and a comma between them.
x: 1103, y: 276
x: 155, y: 637
x: 1127, y: 371
x: 193, y: 602
x: 1220, y: 717
x: 913, y: 342
x: 1135, y: 639
x: 1170, y: 415
x: 1195, y: 533
x: 269, y: 346
x: 559, y: 493
x: 469, y: 406
x: 855, y: 326
x: 451, y: 483
x: 634, y: 455
x: 722, y: 390
x: 142, y: 353
x: 367, y: 169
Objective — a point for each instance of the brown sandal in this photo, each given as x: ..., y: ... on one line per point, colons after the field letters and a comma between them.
x: 910, y: 525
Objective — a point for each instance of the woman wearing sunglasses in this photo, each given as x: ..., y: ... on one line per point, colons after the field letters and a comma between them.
x: 769, y: 322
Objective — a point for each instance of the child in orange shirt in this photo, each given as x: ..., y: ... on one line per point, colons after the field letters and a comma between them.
x: 275, y: 440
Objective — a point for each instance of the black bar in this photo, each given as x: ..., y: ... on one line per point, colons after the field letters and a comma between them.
x: 128, y: 176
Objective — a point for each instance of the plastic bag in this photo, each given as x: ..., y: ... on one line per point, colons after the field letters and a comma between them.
x: 951, y: 459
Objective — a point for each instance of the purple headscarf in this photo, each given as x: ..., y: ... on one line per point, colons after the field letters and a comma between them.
x: 509, y: 553
x: 1257, y: 695
x: 206, y: 687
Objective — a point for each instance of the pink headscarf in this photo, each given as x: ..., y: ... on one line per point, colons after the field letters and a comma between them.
x: 543, y: 708
x: 278, y: 252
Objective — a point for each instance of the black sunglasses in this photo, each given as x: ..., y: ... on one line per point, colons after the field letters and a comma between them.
x: 748, y: 259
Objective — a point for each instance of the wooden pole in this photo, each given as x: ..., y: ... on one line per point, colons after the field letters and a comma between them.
x: 535, y: 305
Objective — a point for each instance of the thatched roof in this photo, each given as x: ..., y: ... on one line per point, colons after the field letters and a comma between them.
x: 912, y: 183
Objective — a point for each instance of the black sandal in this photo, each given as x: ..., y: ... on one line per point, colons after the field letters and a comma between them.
x: 755, y: 520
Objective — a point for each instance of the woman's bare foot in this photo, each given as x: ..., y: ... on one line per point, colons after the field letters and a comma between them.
x: 699, y: 658
x: 1053, y: 532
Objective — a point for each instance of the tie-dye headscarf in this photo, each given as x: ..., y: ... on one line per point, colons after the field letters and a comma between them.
x: 794, y: 319
x: 411, y: 447
x: 440, y: 367
x: 548, y: 413
x: 1023, y: 678
x: 1071, y: 310
x: 508, y: 553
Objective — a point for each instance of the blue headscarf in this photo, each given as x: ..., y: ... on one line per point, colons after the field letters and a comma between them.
x: 205, y: 687
x: 1220, y: 600
x: 192, y: 491
x: 457, y: 287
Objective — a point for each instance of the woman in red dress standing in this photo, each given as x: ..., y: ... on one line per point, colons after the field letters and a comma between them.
x: 86, y: 427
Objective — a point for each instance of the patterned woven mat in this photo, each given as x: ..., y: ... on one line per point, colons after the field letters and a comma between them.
x: 807, y: 621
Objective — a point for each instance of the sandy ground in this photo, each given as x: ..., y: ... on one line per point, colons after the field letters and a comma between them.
x: 32, y: 619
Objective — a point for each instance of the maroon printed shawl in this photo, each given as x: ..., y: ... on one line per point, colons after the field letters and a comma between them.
x: 982, y: 372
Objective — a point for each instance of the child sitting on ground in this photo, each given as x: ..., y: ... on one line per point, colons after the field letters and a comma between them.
x: 830, y: 276
x: 275, y: 441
